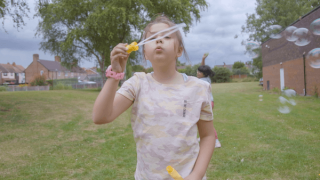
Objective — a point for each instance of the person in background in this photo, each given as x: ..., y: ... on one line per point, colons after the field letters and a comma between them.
x: 204, y: 73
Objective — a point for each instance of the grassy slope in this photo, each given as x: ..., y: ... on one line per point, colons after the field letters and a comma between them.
x: 50, y: 135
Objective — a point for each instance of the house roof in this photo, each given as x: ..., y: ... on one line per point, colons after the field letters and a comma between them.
x: 9, y: 68
x: 52, y: 65
x: 90, y: 71
x: 56, y: 66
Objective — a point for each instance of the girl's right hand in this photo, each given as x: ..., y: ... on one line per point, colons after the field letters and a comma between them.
x: 119, y: 57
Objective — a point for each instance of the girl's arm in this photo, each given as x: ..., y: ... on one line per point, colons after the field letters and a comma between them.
x: 204, y: 59
x: 207, y: 144
x: 109, y: 105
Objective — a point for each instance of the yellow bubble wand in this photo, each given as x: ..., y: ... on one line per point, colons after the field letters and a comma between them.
x: 173, y: 173
x: 135, y: 46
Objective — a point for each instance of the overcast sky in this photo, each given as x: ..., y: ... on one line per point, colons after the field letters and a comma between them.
x: 215, y: 34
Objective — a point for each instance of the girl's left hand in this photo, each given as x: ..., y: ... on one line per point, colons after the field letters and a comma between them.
x: 204, y: 56
x: 193, y: 177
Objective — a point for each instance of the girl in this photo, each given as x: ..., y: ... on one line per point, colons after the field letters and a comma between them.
x: 204, y: 73
x: 165, y: 111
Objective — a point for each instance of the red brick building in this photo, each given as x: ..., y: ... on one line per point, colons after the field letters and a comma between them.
x: 52, y: 70
x: 285, y: 64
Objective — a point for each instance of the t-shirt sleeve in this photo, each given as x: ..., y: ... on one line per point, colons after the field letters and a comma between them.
x: 206, y: 109
x: 130, y: 88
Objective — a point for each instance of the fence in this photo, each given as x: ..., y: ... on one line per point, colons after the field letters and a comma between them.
x: 28, y: 88
x: 86, y: 86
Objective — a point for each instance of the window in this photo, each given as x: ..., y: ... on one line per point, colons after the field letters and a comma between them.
x: 66, y: 73
x: 11, y: 74
x: 59, y: 73
x: 41, y: 72
x: 71, y: 74
x: 5, y: 74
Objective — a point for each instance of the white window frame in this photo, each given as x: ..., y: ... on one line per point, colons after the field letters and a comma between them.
x: 59, y: 73
x: 72, y: 74
x: 41, y: 72
x: 66, y: 73
x: 5, y: 74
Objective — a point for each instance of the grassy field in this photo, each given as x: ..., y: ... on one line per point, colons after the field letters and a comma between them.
x: 50, y: 135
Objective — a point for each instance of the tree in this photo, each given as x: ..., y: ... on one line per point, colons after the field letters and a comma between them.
x: 273, y: 12
x: 88, y: 30
x: 192, y: 70
x: 221, y: 74
x: 15, y: 9
x: 238, y: 65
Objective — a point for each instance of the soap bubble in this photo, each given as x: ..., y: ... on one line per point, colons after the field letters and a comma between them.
x: 252, y: 54
x: 289, y: 92
x: 288, y: 34
x: 304, y: 36
x: 274, y: 31
x: 250, y: 47
x: 284, y: 109
x: 313, y: 58
x: 315, y: 27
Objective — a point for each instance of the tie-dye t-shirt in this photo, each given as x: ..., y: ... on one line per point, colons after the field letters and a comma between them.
x: 164, y: 122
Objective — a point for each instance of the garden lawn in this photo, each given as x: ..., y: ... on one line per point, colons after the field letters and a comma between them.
x: 50, y: 135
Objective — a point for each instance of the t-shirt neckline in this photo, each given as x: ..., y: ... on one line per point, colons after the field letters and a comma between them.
x: 184, y: 76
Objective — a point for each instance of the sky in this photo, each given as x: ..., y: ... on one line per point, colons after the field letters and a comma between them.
x: 214, y: 34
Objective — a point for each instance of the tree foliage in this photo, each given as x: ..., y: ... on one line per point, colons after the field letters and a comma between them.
x: 238, y: 65
x: 14, y: 9
x: 221, y: 74
x: 88, y: 30
x: 275, y: 12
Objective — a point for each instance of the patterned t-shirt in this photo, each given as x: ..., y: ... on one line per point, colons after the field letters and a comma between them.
x: 164, y: 122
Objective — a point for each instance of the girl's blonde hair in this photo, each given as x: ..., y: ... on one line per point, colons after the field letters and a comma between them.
x: 164, y: 19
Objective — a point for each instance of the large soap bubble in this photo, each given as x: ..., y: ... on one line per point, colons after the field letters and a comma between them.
x: 274, y: 31
x: 284, y: 109
x: 315, y: 27
x: 304, y: 36
x: 313, y: 57
x: 288, y: 34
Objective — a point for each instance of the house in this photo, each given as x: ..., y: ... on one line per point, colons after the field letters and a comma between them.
x: 12, y: 74
x: 92, y: 74
x: 286, y: 65
x: 52, y: 70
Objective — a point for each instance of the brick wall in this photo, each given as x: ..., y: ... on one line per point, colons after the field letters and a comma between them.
x: 34, y: 69
x: 293, y: 76
x: 280, y: 53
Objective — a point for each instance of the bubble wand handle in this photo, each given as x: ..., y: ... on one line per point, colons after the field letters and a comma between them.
x: 173, y: 173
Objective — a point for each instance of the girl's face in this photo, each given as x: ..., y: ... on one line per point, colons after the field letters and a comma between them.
x: 163, y: 51
x: 200, y: 74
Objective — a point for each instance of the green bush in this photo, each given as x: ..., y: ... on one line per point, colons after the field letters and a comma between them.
x: 65, y: 81
x: 39, y: 80
x: 3, y: 88
x: 221, y: 75
x: 61, y: 86
x: 276, y: 90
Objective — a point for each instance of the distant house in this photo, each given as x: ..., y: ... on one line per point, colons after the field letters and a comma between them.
x: 11, y: 74
x: 92, y: 73
x: 52, y: 70
x: 228, y: 66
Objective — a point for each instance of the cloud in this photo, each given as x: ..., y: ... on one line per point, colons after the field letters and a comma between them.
x: 214, y: 33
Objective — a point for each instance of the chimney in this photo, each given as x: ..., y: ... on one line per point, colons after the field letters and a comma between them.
x: 224, y: 64
x: 8, y: 63
x: 35, y: 57
x: 57, y: 59
x: 14, y: 64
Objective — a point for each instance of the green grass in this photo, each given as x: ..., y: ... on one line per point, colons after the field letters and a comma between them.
x: 50, y: 135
